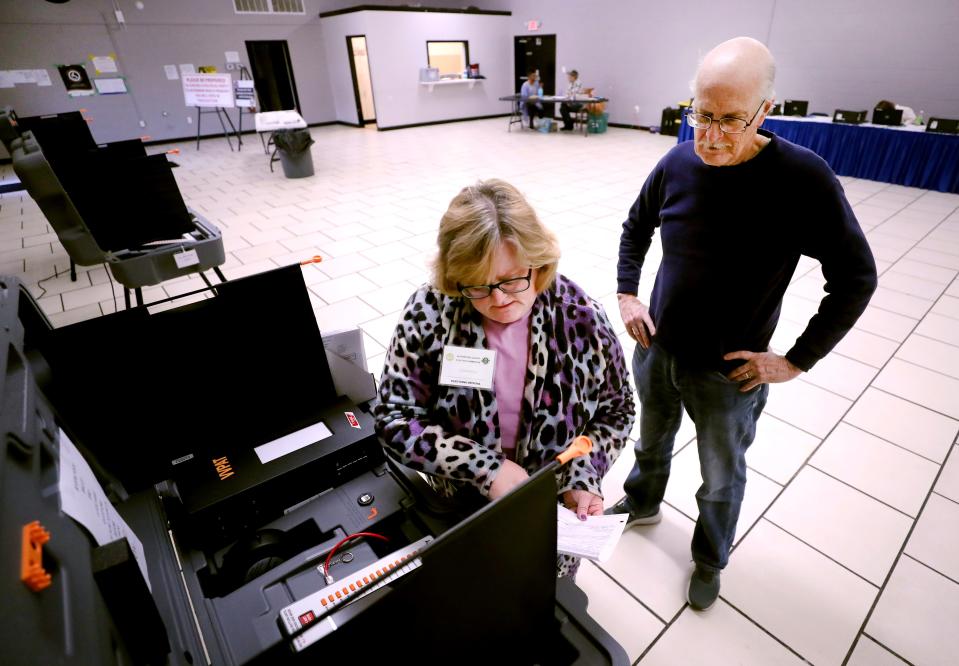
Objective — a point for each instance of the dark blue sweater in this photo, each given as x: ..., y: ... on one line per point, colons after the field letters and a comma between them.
x: 732, y: 237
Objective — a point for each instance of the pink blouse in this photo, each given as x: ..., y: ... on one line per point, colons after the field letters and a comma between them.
x: 511, y: 343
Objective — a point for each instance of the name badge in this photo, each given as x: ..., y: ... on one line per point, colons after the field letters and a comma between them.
x: 465, y: 366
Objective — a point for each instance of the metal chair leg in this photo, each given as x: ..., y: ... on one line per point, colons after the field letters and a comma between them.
x: 73, y: 271
x: 126, y: 297
x: 219, y: 273
x: 139, y: 293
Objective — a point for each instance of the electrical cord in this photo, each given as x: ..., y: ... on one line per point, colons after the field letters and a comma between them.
x: 326, y: 563
x: 112, y: 288
x: 43, y: 291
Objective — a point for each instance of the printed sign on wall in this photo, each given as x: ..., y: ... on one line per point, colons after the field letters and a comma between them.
x: 76, y: 80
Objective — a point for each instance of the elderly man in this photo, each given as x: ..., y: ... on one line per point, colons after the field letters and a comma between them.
x: 736, y: 208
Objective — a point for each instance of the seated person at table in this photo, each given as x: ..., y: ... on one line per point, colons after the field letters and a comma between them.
x: 908, y: 115
x: 529, y: 102
x: 559, y: 370
x: 566, y: 109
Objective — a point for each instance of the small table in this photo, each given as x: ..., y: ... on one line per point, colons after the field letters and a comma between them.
x: 516, y: 112
x: 274, y: 121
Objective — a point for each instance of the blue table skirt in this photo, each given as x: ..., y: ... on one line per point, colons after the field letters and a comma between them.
x: 914, y: 159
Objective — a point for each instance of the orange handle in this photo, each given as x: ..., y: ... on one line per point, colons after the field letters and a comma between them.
x: 581, y: 446
x: 175, y: 151
x: 32, y: 572
x: 315, y: 259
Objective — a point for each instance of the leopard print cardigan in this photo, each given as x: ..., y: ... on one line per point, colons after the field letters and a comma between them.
x: 576, y: 383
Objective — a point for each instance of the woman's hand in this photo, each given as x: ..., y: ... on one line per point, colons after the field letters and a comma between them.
x: 510, y: 476
x: 583, y: 503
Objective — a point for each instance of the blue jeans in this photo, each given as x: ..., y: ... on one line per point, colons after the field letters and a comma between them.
x: 725, y: 427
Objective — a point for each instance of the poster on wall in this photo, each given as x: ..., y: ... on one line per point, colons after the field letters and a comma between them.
x: 76, y: 80
x: 243, y: 91
x: 10, y: 78
x: 115, y: 86
x: 104, y: 64
x: 208, y: 90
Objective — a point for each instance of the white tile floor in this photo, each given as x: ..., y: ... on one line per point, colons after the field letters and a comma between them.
x: 848, y: 549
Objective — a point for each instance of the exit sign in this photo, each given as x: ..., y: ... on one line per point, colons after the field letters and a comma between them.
x: 533, y: 26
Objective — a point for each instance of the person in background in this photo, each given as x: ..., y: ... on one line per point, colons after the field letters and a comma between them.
x: 559, y: 370
x: 529, y: 101
x: 908, y: 115
x: 566, y: 109
x: 735, y: 208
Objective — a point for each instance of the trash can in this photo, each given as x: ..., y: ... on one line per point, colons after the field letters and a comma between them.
x: 294, y: 149
x: 597, y: 123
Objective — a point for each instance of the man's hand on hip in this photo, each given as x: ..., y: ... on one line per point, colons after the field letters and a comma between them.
x: 761, y: 368
x: 635, y: 315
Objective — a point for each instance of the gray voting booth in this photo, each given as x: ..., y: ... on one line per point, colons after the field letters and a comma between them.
x: 139, y: 227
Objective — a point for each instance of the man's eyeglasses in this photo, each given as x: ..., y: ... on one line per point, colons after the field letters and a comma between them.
x: 511, y: 286
x: 729, y: 124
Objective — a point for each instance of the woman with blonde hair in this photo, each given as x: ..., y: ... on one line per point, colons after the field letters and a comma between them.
x: 558, y: 368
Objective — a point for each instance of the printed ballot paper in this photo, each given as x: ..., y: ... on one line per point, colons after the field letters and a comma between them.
x: 82, y: 498
x: 593, y: 538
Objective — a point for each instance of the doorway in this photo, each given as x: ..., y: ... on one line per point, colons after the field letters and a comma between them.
x: 272, y: 72
x: 362, y: 79
x: 536, y: 52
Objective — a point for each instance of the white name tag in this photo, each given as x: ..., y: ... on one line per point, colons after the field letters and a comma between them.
x: 465, y: 366
x: 184, y: 259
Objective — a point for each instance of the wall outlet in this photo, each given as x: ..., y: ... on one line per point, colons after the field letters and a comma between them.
x: 231, y: 66
x: 189, y: 120
x: 143, y: 123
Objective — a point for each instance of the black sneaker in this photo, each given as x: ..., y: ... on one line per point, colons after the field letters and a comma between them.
x: 622, y: 506
x: 703, y: 588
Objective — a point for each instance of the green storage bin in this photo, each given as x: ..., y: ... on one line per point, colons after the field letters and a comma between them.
x: 597, y: 123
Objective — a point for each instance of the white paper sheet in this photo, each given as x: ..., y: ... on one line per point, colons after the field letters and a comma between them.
x: 110, y: 86
x: 593, y: 538
x: 43, y: 78
x: 171, y: 73
x: 187, y: 68
x: 232, y: 56
x: 6, y: 79
x: 82, y: 498
x: 104, y: 65
x: 292, y: 442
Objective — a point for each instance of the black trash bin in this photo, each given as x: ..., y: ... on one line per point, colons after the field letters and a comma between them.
x: 294, y: 149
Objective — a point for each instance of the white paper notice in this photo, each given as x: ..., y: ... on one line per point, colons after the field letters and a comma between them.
x: 232, y: 56
x: 24, y: 76
x: 593, y: 538
x: 187, y: 69
x: 82, y: 498
x: 104, y: 64
x: 292, y: 442
x: 186, y: 258
x: 465, y: 366
x: 43, y: 78
x: 110, y: 86
x: 171, y: 73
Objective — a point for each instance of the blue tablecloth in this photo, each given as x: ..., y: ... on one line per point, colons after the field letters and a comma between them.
x: 903, y: 157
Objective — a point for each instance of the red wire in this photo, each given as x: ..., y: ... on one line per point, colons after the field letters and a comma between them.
x: 326, y: 564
